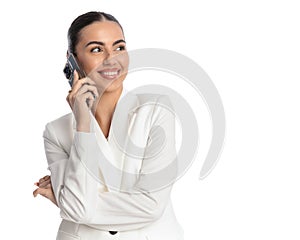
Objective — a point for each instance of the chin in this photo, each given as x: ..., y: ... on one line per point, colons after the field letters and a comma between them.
x: 114, y: 87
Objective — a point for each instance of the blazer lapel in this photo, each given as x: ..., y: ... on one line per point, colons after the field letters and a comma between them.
x: 113, y: 149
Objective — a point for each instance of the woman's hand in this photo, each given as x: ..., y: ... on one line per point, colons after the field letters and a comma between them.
x: 82, y: 99
x: 45, y: 189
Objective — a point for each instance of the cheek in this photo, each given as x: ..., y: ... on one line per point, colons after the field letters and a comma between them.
x: 124, y: 60
x: 91, y: 64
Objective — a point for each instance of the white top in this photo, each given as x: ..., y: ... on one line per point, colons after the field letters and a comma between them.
x: 122, y: 183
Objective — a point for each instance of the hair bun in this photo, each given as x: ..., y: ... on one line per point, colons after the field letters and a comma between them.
x: 67, y: 71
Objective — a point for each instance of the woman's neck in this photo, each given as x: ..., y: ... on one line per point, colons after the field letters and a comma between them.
x: 107, y: 104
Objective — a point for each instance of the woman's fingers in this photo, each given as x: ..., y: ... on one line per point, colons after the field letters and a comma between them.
x: 88, y: 88
x: 45, y: 189
x: 43, y: 182
x: 80, y: 82
x: 81, y: 86
x: 40, y: 191
x: 45, y: 192
x: 85, y: 94
x: 44, y: 178
x: 88, y: 92
x: 76, y: 77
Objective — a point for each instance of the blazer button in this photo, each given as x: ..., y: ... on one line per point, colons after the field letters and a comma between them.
x: 113, y: 232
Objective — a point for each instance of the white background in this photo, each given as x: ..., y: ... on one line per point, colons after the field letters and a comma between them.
x: 250, y: 49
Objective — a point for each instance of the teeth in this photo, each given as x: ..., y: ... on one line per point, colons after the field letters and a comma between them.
x: 110, y: 73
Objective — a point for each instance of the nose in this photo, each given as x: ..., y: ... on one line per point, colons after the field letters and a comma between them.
x: 109, y: 59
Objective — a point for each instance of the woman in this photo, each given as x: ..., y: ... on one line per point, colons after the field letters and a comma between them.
x: 104, y: 191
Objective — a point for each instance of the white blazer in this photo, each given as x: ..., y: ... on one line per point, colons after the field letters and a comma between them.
x: 116, y: 188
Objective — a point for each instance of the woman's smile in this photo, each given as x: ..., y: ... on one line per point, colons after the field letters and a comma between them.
x: 110, y: 73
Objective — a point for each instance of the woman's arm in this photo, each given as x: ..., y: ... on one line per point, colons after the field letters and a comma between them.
x: 77, y: 192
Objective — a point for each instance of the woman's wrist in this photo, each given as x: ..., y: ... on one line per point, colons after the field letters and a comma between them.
x: 83, y: 128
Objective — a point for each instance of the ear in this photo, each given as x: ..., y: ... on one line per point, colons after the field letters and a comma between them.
x: 67, y: 54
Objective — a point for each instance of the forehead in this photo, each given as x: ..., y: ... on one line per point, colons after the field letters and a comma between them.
x: 106, y: 31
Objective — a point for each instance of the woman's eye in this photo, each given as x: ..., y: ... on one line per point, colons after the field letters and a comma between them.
x: 96, y: 50
x: 120, y: 48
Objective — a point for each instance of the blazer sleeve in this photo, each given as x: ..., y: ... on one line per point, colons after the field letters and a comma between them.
x: 77, y: 192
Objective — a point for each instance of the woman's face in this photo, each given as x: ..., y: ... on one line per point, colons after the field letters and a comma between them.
x: 101, y: 52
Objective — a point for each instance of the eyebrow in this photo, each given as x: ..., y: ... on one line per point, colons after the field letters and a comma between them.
x: 102, y: 43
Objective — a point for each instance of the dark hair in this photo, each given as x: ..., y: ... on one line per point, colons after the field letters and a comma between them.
x: 84, y: 20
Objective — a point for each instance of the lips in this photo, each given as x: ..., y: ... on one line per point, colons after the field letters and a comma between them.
x: 111, y: 73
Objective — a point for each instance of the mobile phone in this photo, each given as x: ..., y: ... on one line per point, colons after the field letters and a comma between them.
x: 74, y: 66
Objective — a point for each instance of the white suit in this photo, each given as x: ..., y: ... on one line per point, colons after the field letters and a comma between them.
x: 103, y: 187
